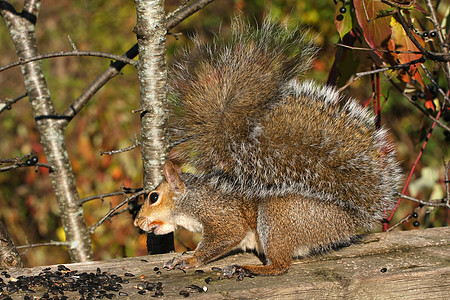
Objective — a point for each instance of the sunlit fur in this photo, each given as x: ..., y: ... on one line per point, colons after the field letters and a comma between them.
x: 282, y: 165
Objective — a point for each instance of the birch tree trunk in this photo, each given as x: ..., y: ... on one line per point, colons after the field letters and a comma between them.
x: 22, y: 30
x: 151, y: 34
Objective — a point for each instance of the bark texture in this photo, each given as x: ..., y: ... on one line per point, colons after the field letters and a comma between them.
x: 151, y: 34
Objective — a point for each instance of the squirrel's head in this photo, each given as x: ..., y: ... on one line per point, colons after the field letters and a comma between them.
x: 157, y: 212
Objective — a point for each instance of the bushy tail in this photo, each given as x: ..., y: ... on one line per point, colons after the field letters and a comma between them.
x: 224, y: 86
x: 258, y: 132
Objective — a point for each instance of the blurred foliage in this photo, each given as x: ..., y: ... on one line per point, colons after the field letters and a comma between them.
x: 28, y: 206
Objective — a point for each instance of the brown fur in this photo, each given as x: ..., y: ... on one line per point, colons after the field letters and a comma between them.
x: 289, y: 161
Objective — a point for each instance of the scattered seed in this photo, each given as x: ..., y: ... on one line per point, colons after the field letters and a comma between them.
x: 208, y: 280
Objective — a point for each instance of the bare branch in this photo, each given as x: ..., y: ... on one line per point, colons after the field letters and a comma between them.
x: 6, y: 103
x: 377, y: 50
x: 441, y: 57
x: 112, y: 210
x: 30, y: 161
x: 21, y: 165
x: 48, y: 244
x: 434, y: 202
x: 420, y: 108
x: 172, y: 20
x: 400, y: 222
x: 123, y: 192
x: 71, y: 53
x: 443, y: 94
x: 136, y: 143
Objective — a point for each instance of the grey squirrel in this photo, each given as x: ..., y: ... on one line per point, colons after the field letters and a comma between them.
x: 282, y: 166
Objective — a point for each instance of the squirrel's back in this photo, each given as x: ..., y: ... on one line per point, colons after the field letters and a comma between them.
x: 252, y: 128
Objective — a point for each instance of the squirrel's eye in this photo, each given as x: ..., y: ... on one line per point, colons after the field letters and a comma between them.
x: 153, y: 197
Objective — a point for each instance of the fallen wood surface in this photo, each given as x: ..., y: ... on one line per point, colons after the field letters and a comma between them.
x: 396, y: 265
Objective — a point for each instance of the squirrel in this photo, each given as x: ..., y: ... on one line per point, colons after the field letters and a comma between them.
x: 281, y: 165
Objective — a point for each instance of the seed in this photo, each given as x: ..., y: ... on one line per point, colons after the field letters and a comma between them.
x: 208, y: 280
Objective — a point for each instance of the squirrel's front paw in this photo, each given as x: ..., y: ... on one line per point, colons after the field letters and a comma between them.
x: 180, y: 263
x: 230, y: 271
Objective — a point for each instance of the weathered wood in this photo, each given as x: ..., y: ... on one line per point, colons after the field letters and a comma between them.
x: 396, y: 265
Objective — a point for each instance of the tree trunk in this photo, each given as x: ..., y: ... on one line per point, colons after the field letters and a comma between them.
x: 22, y: 29
x: 151, y: 34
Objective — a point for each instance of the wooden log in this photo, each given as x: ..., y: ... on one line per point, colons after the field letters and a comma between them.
x: 397, y: 265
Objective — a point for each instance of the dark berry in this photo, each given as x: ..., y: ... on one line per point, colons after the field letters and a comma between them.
x: 342, y: 10
x: 416, y: 224
x: 425, y: 34
x: 383, y: 270
x: 34, y: 159
x: 415, y: 215
x: 339, y: 17
x: 433, y: 34
x: 28, y: 162
x: 414, y: 98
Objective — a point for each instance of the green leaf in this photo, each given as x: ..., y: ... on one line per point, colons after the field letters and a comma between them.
x: 343, y: 21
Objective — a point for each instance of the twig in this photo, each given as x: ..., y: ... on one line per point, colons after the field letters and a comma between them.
x: 6, y: 104
x: 32, y: 161
x: 51, y: 243
x: 399, y: 66
x: 430, y: 76
x: 400, y: 222
x: 377, y: 50
x: 136, y: 143
x: 441, y: 57
x: 112, y: 210
x: 22, y: 165
x: 72, y: 53
x: 74, y: 47
x: 420, y: 108
x: 123, y: 192
x: 434, y: 202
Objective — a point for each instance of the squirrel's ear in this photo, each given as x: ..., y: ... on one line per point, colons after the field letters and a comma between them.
x: 172, y: 177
